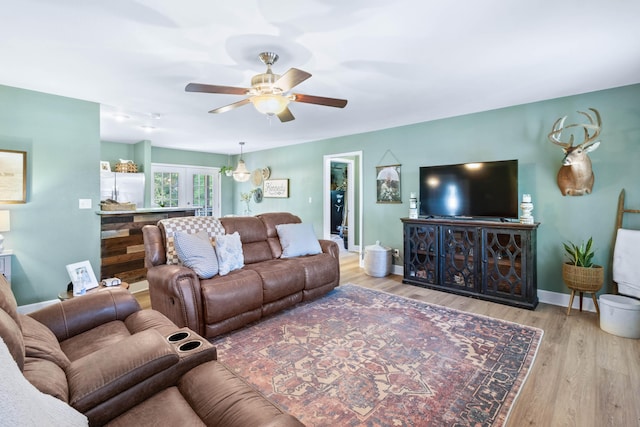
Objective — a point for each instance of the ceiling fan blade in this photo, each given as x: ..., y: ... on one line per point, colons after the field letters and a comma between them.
x: 229, y: 90
x: 320, y: 100
x: 286, y: 115
x: 231, y: 106
x: 293, y: 77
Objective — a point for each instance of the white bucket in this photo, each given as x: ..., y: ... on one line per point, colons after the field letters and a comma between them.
x: 620, y: 315
x: 377, y: 260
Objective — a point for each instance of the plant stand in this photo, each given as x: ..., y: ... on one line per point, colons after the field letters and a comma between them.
x: 583, y: 280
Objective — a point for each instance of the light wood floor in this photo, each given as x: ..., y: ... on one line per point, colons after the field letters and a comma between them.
x: 581, y: 377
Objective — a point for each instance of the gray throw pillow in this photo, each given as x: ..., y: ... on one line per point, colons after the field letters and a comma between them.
x: 297, y: 240
x: 229, y: 252
x: 196, y: 252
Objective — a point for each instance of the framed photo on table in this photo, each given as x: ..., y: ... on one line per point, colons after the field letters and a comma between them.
x: 13, y: 176
x: 81, y: 275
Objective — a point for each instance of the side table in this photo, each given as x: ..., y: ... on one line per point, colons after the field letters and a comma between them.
x: 68, y: 293
x: 5, y: 263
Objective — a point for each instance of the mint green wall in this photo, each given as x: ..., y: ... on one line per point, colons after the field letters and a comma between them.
x: 61, y: 137
x: 303, y: 165
x: 511, y: 133
x: 112, y: 152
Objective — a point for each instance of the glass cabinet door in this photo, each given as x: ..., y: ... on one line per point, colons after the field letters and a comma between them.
x: 421, y: 253
x: 459, y: 250
x: 504, y: 263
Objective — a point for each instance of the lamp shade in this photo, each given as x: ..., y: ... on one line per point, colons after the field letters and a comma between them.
x: 5, y: 221
x: 270, y: 104
x: 241, y: 174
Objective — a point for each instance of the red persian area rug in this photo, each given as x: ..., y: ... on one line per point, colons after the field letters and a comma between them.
x: 362, y: 357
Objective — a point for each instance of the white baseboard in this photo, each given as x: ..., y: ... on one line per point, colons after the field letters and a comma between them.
x: 397, y: 269
x: 547, y: 297
x: 26, y: 309
x: 562, y: 300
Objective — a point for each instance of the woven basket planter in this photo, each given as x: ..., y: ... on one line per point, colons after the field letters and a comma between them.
x: 126, y: 167
x: 583, y: 279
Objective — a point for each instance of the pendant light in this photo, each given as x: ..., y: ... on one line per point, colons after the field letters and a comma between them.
x: 241, y: 174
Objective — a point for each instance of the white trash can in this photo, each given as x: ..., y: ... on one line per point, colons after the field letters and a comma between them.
x: 377, y: 260
x: 620, y: 315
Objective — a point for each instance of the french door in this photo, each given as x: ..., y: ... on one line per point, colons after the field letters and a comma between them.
x: 180, y: 186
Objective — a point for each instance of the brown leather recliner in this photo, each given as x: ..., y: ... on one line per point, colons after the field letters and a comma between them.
x: 118, y: 364
x: 266, y: 284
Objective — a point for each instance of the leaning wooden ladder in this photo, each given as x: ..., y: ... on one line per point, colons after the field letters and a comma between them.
x: 619, y: 217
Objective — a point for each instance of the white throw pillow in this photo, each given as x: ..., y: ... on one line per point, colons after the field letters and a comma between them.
x: 229, y: 252
x: 297, y: 240
x: 21, y: 404
x: 196, y: 252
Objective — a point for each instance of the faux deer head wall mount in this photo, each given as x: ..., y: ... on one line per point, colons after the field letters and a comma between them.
x: 575, y: 177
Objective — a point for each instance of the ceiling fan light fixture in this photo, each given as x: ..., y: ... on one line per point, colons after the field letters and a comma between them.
x: 270, y: 104
x: 241, y: 174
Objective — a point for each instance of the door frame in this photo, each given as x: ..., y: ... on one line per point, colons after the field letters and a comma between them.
x: 353, y: 245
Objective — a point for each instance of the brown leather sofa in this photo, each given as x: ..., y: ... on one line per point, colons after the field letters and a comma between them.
x: 120, y: 365
x: 266, y: 284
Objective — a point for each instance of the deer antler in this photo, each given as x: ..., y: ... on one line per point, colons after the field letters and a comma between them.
x: 554, y: 135
x: 596, y: 126
x: 558, y: 127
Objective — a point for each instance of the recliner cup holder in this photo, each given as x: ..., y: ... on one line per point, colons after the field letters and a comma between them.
x: 190, y: 345
x: 178, y: 336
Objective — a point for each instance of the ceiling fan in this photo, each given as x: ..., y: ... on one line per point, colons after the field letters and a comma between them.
x: 268, y: 91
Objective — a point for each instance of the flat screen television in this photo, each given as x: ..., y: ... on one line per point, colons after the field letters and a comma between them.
x: 487, y: 189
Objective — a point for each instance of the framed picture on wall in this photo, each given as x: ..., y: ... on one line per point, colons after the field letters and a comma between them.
x: 388, y: 184
x: 278, y: 188
x: 105, y: 166
x: 13, y: 176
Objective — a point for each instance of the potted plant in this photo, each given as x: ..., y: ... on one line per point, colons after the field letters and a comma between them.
x: 226, y: 170
x: 580, y: 273
x: 246, y: 198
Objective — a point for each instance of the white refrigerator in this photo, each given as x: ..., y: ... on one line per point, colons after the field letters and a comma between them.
x: 122, y: 187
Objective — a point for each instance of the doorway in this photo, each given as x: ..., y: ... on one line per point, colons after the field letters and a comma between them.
x: 342, y: 201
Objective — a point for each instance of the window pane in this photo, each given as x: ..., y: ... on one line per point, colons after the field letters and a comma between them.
x: 203, y: 194
x: 166, y: 189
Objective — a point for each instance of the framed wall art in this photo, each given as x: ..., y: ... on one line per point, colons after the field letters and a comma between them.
x: 388, y: 184
x: 13, y: 176
x: 276, y: 188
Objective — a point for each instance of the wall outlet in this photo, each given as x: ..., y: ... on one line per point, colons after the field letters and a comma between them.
x: 84, y: 203
x: 396, y: 253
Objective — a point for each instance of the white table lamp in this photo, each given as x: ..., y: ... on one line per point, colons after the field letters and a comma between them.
x: 5, y: 225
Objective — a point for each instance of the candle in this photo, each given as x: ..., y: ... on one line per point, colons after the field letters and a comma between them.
x: 526, y: 198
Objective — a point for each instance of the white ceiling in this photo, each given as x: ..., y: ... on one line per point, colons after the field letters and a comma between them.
x: 397, y: 62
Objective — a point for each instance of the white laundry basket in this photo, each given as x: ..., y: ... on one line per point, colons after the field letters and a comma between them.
x: 377, y: 260
x: 620, y: 315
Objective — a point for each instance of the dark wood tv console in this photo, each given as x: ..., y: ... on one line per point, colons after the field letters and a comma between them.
x: 495, y: 261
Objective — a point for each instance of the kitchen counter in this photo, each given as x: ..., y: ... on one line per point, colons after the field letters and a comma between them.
x: 148, y: 210
x: 121, y: 243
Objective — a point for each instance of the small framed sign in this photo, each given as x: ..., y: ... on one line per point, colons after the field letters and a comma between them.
x: 276, y: 188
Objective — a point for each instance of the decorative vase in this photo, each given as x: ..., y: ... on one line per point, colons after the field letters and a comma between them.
x: 583, y: 279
